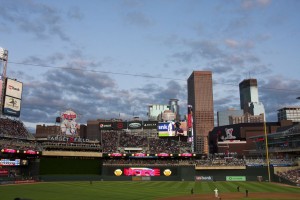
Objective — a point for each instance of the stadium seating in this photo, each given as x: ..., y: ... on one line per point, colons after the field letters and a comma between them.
x: 116, y: 141
x: 13, y: 128
x: 291, y: 175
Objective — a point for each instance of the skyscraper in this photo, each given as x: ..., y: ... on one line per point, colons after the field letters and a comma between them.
x: 200, y: 97
x: 174, y: 107
x: 249, y: 97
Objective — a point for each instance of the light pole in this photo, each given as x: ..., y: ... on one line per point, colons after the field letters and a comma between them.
x: 3, y: 59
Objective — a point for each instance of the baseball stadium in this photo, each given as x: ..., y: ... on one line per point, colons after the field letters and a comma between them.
x: 136, y: 159
x: 136, y: 163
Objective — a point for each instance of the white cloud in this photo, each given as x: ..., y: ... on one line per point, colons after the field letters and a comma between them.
x: 250, y: 4
x: 263, y: 2
x: 231, y: 43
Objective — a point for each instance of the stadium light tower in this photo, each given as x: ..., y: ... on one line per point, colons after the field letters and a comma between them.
x: 3, y: 58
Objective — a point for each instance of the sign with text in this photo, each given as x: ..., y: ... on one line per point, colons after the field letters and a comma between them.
x: 14, y: 88
x: 135, y: 125
x: 150, y: 124
x: 119, y: 125
x: 105, y: 125
x: 235, y: 178
x: 204, y: 178
x: 12, y: 106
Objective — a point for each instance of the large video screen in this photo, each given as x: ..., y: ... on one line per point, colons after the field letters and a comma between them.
x: 171, y: 129
x: 229, y: 136
x: 142, y: 171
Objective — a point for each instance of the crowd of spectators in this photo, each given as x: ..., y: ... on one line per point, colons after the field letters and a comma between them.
x: 244, y: 162
x: 13, y: 128
x: 63, y: 146
x: 220, y: 162
x: 18, y: 144
x: 114, y: 142
x: 273, y: 161
x: 128, y: 140
x: 109, y: 142
x: 291, y: 175
x: 147, y: 162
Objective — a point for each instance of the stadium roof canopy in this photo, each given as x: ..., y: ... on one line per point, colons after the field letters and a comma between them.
x: 290, y: 131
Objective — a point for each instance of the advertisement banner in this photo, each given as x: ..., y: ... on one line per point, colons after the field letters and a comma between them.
x: 4, y: 172
x: 136, y: 178
x: 14, y: 88
x: 9, y: 151
x: 31, y: 152
x: 235, y: 178
x: 135, y: 125
x: 139, y: 155
x: 12, y: 106
x: 190, y: 117
x: 116, y: 154
x: 119, y: 125
x: 150, y: 124
x: 68, y: 124
x: 106, y: 125
x: 8, y: 162
x: 163, y: 155
x: 186, y: 155
x: 204, y: 178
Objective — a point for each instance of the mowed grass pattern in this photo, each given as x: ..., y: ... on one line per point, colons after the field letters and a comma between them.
x: 131, y: 190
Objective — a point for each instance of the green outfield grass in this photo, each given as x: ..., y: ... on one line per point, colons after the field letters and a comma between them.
x: 130, y: 190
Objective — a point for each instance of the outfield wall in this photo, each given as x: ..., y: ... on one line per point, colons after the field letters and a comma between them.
x: 189, y: 173
x: 258, y: 173
x: 69, y: 168
x: 148, y: 173
x: 59, y: 168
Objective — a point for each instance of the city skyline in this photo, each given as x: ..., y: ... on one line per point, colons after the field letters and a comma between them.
x: 106, y: 59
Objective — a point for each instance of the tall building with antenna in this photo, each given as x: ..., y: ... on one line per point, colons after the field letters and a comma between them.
x: 200, y: 97
x: 174, y: 107
x: 249, y: 100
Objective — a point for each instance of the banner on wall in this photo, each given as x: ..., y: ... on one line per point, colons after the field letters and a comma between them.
x: 235, y: 178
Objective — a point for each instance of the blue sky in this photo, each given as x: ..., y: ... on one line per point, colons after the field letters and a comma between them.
x: 96, y: 56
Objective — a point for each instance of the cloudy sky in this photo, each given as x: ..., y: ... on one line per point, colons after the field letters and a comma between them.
x: 105, y: 59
